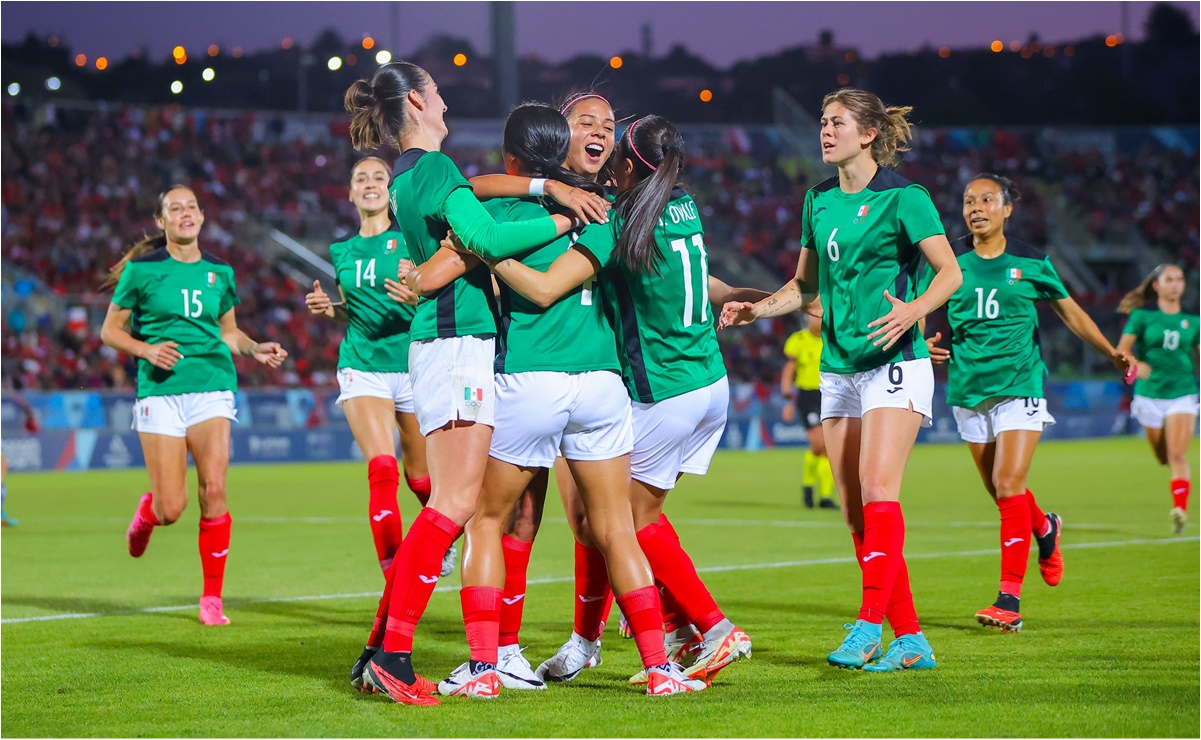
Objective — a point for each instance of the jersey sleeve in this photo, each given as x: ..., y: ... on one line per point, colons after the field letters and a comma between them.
x: 128, y: 292
x: 435, y: 179
x: 917, y: 214
x: 1134, y: 325
x: 599, y: 240
x: 807, y: 223
x: 480, y: 233
x: 229, y: 297
x: 1050, y: 287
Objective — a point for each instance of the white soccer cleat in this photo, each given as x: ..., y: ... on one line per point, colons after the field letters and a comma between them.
x: 669, y: 679
x: 574, y: 656
x: 482, y: 683
x: 682, y: 646
x: 1179, y: 517
x: 720, y: 652
x: 449, y: 561
x: 515, y: 671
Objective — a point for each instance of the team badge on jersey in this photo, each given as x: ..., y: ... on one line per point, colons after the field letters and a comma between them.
x: 390, y: 247
x: 1015, y: 275
x: 862, y: 211
x: 211, y: 279
x: 1184, y: 324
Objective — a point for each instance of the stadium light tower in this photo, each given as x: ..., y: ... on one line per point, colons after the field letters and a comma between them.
x: 504, y: 55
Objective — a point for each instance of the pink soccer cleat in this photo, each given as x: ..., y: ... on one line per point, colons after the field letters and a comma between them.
x: 211, y: 613
x: 138, y: 534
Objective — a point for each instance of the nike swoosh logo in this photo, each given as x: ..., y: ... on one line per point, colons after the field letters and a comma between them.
x: 221, y: 554
x: 1014, y: 541
x: 384, y: 513
x: 874, y: 554
x: 1031, y: 413
x: 590, y: 599
x: 910, y: 661
x: 427, y: 579
x: 894, y: 390
x: 514, y: 600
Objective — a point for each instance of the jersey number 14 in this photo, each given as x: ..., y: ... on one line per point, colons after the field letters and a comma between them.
x: 680, y: 247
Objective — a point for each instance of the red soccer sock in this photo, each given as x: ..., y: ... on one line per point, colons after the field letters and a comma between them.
x: 214, y: 551
x: 414, y: 574
x: 593, y: 596
x: 481, y: 619
x: 376, y: 638
x: 900, y: 613
x: 674, y: 569
x: 673, y: 614
x: 421, y: 488
x: 1180, y: 491
x: 517, y: 563
x: 1015, y: 545
x: 1038, y: 520
x: 883, y: 553
x: 386, y: 527
x: 146, y: 511
x: 643, y: 613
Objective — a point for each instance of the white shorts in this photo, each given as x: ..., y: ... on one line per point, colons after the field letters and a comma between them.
x: 984, y: 422
x: 1150, y: 412
x: 394, y: 387
x: 678, y: 435
x: 897, y: 385
x: 452, y: 381
x: 172, y: 415
x: 586, y: 416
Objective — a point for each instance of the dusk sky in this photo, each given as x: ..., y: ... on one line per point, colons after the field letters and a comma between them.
x: 721, y: 32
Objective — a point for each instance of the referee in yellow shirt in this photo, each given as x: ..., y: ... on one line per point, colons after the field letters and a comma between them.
x: 799, y: 382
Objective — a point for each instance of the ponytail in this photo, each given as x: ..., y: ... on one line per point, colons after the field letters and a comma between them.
x: 1144, y: 293
x: 656, y: 149
x: 538, y: 135
x: 377, y: 107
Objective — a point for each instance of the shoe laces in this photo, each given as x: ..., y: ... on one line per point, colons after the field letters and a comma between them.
x: 857, y: 639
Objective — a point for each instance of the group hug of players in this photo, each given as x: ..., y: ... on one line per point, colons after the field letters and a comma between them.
x: 562, y: 315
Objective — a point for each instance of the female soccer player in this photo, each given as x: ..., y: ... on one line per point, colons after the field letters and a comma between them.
x: 653, y: 271
x: 183, y: 300
x: 862, y: 235
x: 800, y: 383
x: 373, y: 360
x: 1165, y: 393
x: 559, y: 389
x: 995, y: 385
x: 452, y: 351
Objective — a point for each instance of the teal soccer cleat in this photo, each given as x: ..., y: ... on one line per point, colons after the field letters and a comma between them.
x: 907, y: 652
x: 859, y: 648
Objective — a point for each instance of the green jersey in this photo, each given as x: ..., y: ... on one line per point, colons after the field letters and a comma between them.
x: 866, y: 243
x: 572, y: 334
x: 666, y: 335
x: 377, y: 335
x: 994, y: 322
x: 1168, y: 343
x: 180, y: 302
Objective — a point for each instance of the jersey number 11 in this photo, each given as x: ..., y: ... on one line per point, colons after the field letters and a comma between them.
x: 680, y: 247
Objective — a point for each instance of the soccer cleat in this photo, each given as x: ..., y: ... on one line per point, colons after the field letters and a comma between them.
x: 515, y: 671
x: 669, y: 679
x: 807, y: 496
x: 1050, y: 560
x: 476, y: 679
x: 449, y: 560
x: 138, y: 534
x: 211, y: 613
x: 682, y: 647
x: 356, y: 671
x: 623, y: 628
x: 716, y: 654
x: 377, y: 680
x: 574, y: 656
x: 995, y: 616
x: 7, y: 520
x: 1179, y: 517
x: 907, y: 652
x: 828, y: 503
x: 859, y: 647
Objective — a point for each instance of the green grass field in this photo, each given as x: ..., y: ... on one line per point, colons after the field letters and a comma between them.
x: 1112, y: 651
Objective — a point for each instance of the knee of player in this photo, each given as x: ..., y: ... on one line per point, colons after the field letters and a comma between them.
x: 1009, y: 484
x: 524, y: 525
x: 212, y: 493
x: 878, y: 490
x: 170, y: 512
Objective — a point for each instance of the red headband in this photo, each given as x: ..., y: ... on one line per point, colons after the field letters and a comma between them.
x: 630, y: 133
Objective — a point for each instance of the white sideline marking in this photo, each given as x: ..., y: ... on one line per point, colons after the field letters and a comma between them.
x: 569, y: 579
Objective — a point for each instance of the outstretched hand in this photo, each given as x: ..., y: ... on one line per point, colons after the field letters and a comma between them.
x: 736, y: 313
x: 319, y: 301
x: 938, y: 355
x: 892, y: 326
x: 269, y: 353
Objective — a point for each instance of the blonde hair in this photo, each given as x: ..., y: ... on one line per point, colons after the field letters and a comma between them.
x: 892, y: 126
x: 143, y: 246
x: 1145, y: 292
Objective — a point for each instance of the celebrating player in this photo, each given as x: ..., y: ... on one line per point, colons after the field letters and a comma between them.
x: 373, y: 360
x: 800, y: 382
x: 862, y: 235
x: 995, y: 383
x: 653, y: 271
x: 183, y: 301
x: 452, y: 351
x: 1165, y: 393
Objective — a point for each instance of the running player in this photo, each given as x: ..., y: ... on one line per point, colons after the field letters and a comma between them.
x: 1165, y: 393
x: 862, y: 234
x: 654, y: 283
x: 800, y: 382
x: 558, y: 389
x: 452, y: 351
x: 180, y: 302
x: 995, y: 382
x: 373, y: 360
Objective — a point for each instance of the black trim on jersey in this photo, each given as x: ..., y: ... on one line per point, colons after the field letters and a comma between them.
x: 628, y: 324
x: 678, y: 191
x: 900, y: 290
x: 961, y: 246
x: 886, y: 179
x: 159, y: 255
x: 503, y: 319
x: 206, y: 257
x: 446, y: 311
x: 406, y: 161
x: 1013, y: 247
x: 826, y: 185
